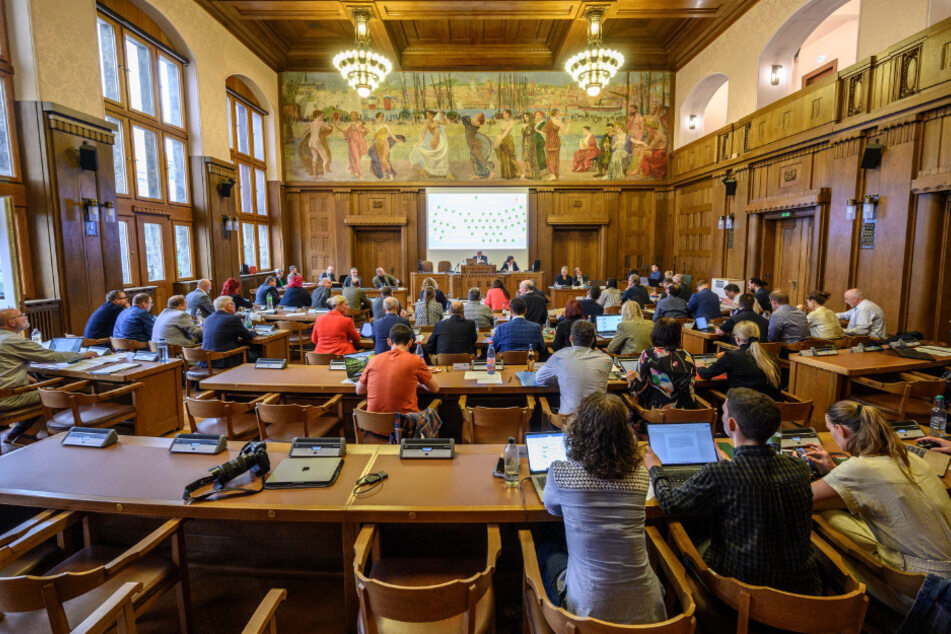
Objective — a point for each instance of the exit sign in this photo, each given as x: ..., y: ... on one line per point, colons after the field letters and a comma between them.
x: 786, y: 214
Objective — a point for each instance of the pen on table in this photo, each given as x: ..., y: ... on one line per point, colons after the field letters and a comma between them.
x: 510, y: 379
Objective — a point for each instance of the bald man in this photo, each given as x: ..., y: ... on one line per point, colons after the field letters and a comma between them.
x: 865, y: 317
x: 454, y: 335
x: 16, y: 354
x: 198, y: 301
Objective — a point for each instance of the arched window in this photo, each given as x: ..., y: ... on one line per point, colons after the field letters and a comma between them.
x: 704, y: 109
x: 246, y: 123
x: 142, y: 87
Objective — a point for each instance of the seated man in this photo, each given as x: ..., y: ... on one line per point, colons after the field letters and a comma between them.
x: 865, y: 317
x: 477, y: 311
x: 391, y: 379
x: 16, y: 354
x: 635, y: 292
x: 760, y: 502
x: 480, y: 259
x: 579, y: 278
x: 578, y: 369
x: 353, y: 279
x: 136, y: 322
x: 590, y: 305
x: 758, y: 288
x: 383, y: 278
x: 671, y: 305
x: 376, y: 305
x: 357, y: 298
x: 731, y: 291
x: 786, y: 323
x: 536, y: 304
x: 383, y: 324
x: 330, y: 274
x: 704, y: 303
x: 454, y: 335
x: 176, y: 326
x: 519, y: 333
x: 225, y: 331
x: 318, y: 299
x: 335, y: 332
x: 656, y: 276
x: 280, y: 278
x: 268, y: 289
x: 744, y: 312
x: 103, y: 320
x: 199, y: 304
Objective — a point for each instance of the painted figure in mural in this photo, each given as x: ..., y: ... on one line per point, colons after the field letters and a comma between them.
x: 553, y: 129
x: 505, y: 147
x: 356, y: 135
x: 480, y: 147
x: 619, y: 155
x: 654, y: 159
x: 540, y: 140
x: 431, y: 152
x: 587, y: 152
x: 530, y: 167
x: 319, y: 150
x: 383, y: 140
x: 604, y: 157
x: 635, y: 125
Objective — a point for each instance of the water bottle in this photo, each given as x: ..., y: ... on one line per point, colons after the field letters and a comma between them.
x: 163, y: 349
x: 420, y: 352
x: 510, y: 458
x: 490, y: 360
x: 939, y: 417
x: 249, y: 322
x: 531, y: 358
x: 270, y: 302
x: 36, y: 335
x: 396, y: 432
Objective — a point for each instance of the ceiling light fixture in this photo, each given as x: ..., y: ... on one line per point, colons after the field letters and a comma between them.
x: 594, y: 67
x: 362, y: 67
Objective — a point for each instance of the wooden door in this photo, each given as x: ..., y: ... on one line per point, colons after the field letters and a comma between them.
x: 373, y: 248
x: 576, y: 247
x: 792, y: 257
x: 156, y: 261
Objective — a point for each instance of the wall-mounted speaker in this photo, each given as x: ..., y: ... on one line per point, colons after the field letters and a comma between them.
x: 88, y: 158
x: 225, y: 187
x: 730, y: 184
x: 872, y: 156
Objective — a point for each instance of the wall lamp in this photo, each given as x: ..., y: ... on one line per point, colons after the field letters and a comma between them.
x: 725, y: 222
x: 869, y: 207
x: 851, y: 206
x: 90, y: 210
x: 692, y: 122
x: 228, y: 224
x: 775, y: 74
x: 108, y: 209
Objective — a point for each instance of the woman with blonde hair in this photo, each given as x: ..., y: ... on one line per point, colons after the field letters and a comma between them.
x: 437, y: 294
x: 428, y: 311
x: 823, y: 324
x: 749, y: 366
x: 633, y: 334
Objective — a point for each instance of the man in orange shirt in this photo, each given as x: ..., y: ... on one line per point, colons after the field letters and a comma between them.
x: 335, y: 333
x: 391, y: 379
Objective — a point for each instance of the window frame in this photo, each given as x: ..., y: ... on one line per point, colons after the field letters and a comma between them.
x: 191, y: 247
x: 6, y: 74
x: 252, y: 217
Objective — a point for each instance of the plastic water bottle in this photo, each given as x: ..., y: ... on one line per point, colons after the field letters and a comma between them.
x: 396, y: 432
x: 531, y: 358
x: 490, y: 360
x: 36, y: 335
x: 270, y: 302
x: 163, y: 349
x: 420, y: 352
x: 939, y: 417
x: 249, y: 322
x: 510, y: 458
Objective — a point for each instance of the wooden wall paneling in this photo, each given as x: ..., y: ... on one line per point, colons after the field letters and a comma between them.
x: 409, y: 203
x: 929, y: 240
x: 317, y: 233
x: 293, y: 232
x: 285, y: 249
x: 609, y: 235
x: 718, y: 236
x: 736, y: 258
x: 571, y: 247
x: 540, y: 205
x: 942, y: 319
x: 218, y: 257
x: 635, y: 234
x: 663, y: 248
x: 754, y: 245
x: 693, y: 228
x: 846, y: 178
x: 343, y: 204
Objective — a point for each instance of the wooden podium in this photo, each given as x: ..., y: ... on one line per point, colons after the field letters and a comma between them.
x: 477, y: 269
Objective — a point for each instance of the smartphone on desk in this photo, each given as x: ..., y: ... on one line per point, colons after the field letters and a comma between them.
x: 499, y: 468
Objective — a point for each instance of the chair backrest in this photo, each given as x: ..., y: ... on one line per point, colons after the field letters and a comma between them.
x: 926, y: 389
x: 612, y: 310
x: 271, y: 414
x: 443, y: 266
x: 379, y: 423
x: 772, y: 347
x: 27, y: 593
x: 426, y: 266
x: 515, y: 357
x: 105, y: 341
x: 680, y: 416
x: 292, y: 326
x: 491, y: 425
x: 448, y: 358
x: 174, y: 350
x: 797, y: 413
x: 207, y: 408
x: 195, y: 354
x: 127, y: 344
x: 321, y: 358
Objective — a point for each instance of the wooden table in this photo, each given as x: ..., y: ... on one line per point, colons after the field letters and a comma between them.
x: 401, y: 294
x: 158, y: 404
x: 559, y: 296
x: 698, y: 342
x: 825, y: 380
x: 274, y: 345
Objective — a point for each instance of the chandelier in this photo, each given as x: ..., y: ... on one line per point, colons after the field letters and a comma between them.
x: 362, y: 67
x: 594, y: 67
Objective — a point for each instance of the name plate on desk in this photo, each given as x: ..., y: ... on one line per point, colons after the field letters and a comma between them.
x: 427, y: 448
x: 270, y: 364
x: 90, y: 437
x: 331, y: 447
x: 819, y: 352
x: 145, y: 355
x: 867, y: 347
x: 208, y: 444
x: 907, y: 429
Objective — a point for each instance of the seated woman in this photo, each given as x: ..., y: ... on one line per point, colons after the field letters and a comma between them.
x: 232, y: 288
x: 439, y: 295
x: 428, y: 311
x: 633, y: 334
x: 509, y: 264
x: 573, y: 313
x: 898, y: 510
x: 497, y: 298
x: 665, y: 372
x: 564, y: 278
x: 750, y: 366
x: 610, y: 296
x: 600, y: 491
x: 295, y: 296
x: 823, y: 324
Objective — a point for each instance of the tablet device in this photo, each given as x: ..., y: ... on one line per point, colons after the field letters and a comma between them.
x: 304, y: 473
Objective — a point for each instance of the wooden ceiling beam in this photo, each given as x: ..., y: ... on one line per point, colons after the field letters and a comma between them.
x: 285, y: 9
x: 484, y: 56
x: 479, y: 10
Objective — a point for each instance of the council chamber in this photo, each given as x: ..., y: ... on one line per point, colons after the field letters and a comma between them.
x: 508, y: 316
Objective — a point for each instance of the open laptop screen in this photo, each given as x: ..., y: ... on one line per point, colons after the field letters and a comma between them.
x: 701, y: 323
x: 66, y: 344
x: 682, y: 443
x: 607, y: 323
x: 356, y: 362
x: 543, y: 449
x: 366, y: 330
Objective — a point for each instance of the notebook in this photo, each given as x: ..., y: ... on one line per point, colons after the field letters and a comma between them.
x: 301, y: 473
x: 683, y: 448
x: 606, y: 325
x: 543, y: 449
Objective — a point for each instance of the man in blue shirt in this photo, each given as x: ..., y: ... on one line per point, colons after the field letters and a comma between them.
x: 381, y: 326
x: 590, y: 305
x: 136, y: 322
x: 224, y: 331
x: 264, y: 290
x: 656, y: 276
x: 102, y: 322
x: 635, y: 292
x: 786, y: 323
x: 519, y: 333
x: 704, y: 303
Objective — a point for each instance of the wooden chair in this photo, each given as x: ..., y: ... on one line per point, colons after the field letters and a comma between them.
x: 706, y: 413
x: 13, y: 416
x: 127, y: 345
x: 378, y: 424
x: 198, y: 373
x: 515, y: 357
x: 68, y: 406
x: 321, y: 358
x: 105, y: 341
x: 235, y: 420
x: 725, y: 604
x: 558, y: 421
x: 908, y: 398
x: 443, y: 266
x: 96, y: 583
x: 612, y: 310
x: 541, y: 616
x: 297, y: 340
x: 283, y: 423
x: 263, y: 619
x: 772, y: 347
x: 173, y: 349
x: 488, y: 425
x: 434, y: 595
x: 448, y: 358
x: 794, y: 412
x: 426, y: 266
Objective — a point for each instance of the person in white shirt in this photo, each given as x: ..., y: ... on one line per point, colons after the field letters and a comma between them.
x: 865, y: 317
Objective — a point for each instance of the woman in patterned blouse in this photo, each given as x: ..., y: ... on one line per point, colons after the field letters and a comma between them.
x: 428, y: 311
x: 665, y: 372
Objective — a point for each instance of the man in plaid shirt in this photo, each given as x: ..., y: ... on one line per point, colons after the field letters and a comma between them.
x: 477, y: 311
x: 760, y: 502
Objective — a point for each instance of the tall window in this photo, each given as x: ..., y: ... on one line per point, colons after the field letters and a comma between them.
x: 142, y: 88
x: 246, y: 120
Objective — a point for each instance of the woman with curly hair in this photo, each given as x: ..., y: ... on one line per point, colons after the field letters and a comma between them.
x: 232, y: 288
x: 600, y: 492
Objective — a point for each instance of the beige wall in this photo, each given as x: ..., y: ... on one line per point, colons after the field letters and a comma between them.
x: 60, y: 63
x: 885, y: 22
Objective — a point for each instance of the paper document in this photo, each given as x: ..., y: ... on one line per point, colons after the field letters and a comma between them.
x: 484, y: 378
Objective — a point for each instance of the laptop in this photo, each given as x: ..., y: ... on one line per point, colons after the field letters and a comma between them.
x: 66, y: 344
x: 356, y: 362
x: 543, y: 449
x: 303, y: 473
x: 683, y: 448
x: 265, y: 329
x: 644, y: 281
x: 606, y: 325
x: 366, y: 330
x: 702, y: 325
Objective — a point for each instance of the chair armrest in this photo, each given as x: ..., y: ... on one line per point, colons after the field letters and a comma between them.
x: 633, y: 404
x: 834, y: 566
x: 148, y: 543
x: 323, y: 408
x: 119, y: 391
x: 109, y: 612
x: 22, y: 528
x: 718, y: 395
x: 493, y: 545
x: 725, y: 345
x: 215, y: 356
x: 683, y: 545
x: 673, y: 569
x: 361, y: 405
x: 29, y: 387
x: 704, y: 403
x: 435, y: 404
x: 533, y: 573
x: 35, y: 534
x: 204, y: 396
x: 265, y: 611
x: 75, y: 386
x: 530, y: 402
x: 361, y: 547
x: 265, y: 399
x: 872, y: 383
x: 844, y: 544
x: 462, y: 403
x: 914, y: 376
x: 789, y: 397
